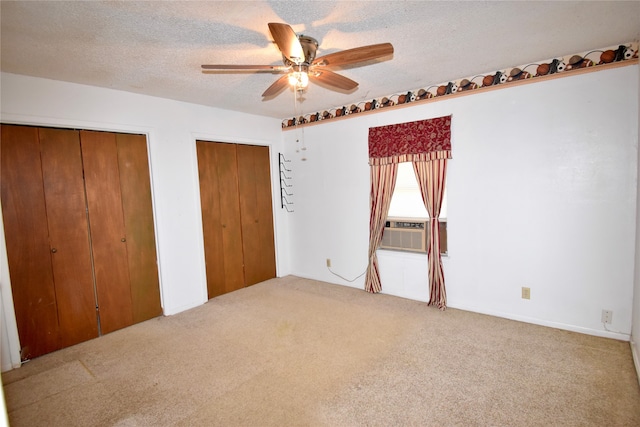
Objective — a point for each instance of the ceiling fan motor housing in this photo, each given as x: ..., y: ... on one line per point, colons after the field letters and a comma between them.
x: 309, y: 47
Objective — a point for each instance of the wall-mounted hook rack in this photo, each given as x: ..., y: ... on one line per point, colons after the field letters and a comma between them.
x: 285, y: 183
x: 282, y: 164
x: 286, y: 203
x: 283, y: 175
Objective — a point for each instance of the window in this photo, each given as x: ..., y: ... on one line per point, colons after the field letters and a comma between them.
x: 406, y: 202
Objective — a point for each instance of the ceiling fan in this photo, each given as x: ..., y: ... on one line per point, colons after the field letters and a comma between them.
x: 301, y: 65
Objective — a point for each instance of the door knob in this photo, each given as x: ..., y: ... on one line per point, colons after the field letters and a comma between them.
x: 54, y: 250
x: 123, y: 240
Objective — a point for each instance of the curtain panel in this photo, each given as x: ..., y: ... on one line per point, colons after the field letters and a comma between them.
x: 383, y: 181
x: 431, y: 179
x: 427, y: 144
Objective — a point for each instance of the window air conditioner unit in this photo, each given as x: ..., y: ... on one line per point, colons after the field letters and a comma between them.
x: 405, y: 234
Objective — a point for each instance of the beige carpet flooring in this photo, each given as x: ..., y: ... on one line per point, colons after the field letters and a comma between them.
x: 296, y: 352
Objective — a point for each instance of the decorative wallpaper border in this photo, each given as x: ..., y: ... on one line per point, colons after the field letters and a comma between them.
x: 593, y: 58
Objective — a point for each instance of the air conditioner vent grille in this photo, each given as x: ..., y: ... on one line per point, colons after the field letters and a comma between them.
x: 404, y: 235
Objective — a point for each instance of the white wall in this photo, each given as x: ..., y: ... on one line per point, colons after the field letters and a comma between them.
x: 172, y: 128
x: 635, y: 329
x: 541, y: 193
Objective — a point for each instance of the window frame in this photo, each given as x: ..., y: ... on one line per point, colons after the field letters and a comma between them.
x: 415, y: 188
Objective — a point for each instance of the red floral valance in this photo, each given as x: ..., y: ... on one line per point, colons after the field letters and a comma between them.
x: 422, y: 140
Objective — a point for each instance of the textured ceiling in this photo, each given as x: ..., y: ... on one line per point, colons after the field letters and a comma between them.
x: 157, y: 47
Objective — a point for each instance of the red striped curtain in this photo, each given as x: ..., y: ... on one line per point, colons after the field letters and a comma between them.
x: 423, y: 142
x: 431, y: 178
x: 383, y: 181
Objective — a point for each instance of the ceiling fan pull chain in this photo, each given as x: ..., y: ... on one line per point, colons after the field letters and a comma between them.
x: 299, y: 114
x: 299, y: 134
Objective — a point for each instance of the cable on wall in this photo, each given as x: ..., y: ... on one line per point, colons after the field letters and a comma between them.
x: 344, y: 278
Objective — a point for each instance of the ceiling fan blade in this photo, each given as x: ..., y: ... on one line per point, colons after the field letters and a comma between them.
x: 333, y: 79
x: 287, y: 42
x: 358, y: 54
x: 277, y: 86
x: 261, y: 68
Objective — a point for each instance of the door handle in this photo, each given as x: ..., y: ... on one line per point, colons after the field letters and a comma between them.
x: 54, y: 250
x: 123, y: 240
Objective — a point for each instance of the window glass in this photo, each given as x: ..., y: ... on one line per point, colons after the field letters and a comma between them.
x: 407, y: 200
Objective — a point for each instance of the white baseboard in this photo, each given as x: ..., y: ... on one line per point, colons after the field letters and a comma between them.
x: 10, y: 366
x: 566, y: 327
x: 636, y: 356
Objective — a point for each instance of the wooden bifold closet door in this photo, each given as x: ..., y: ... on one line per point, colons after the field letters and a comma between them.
x: 40, y: 246
x: 68, y: 235
x: 256, y: 213
x: 237, y: 215
x: 79, y: 233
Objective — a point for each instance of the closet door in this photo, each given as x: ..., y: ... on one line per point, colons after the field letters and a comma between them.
x: 256, y: 211
x: 217, y: 168
x: 27, y: 240
x: 79, y: 231
x: 108, y: 237
x: 135, y: 187
x: 68, y: 235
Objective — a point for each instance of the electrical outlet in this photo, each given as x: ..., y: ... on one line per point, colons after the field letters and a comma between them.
x: 607, y: 316
x: 526, y: 293
x: 329, y: 262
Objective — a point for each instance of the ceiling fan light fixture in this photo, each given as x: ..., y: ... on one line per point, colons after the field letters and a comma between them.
x: 299, y: 77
